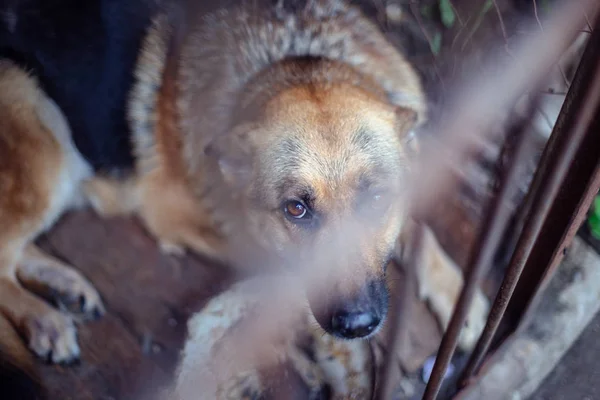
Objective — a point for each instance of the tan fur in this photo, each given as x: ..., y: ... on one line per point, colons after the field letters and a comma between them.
x: 223, y: 132
x: 247, y: 107
x: 39, y: 175
x: 190, y: 217
x: 440, y: 282
x: 159, y: 193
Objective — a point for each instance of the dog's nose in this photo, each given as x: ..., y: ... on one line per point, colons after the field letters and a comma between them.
x: 352, y: 325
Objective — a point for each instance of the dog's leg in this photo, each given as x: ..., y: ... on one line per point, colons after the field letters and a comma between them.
x: 309, y: 371
x: 206, y: 330
x: 56, y: 281
x: 175, y: 217
x: 166, y: 208
x: 440, y: 282
x: 40, y: 172
x: 50, y: 334
x: 347, y: 366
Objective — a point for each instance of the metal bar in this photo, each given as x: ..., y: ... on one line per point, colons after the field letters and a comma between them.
x: 567, y: 239
x: 581, y: 106
x: 567, y: 213
x: 491, y: 231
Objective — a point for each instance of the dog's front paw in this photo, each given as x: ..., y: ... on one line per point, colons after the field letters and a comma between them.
x: 475, y: 322
x: 80, y: 298
x: 52, y: 336
x: 60, y: 283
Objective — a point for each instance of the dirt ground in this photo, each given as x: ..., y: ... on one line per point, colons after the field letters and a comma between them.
x: 577, y: 376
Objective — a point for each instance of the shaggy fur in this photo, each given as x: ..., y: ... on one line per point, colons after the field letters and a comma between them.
x: 237, y: 119
x: 40, y: 175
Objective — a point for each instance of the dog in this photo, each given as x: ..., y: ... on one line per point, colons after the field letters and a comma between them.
x: 268, y: 133
x: 234, y: 349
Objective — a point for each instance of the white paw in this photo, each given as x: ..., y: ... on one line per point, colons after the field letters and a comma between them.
x: 171, y: 249
x: 474, y: 323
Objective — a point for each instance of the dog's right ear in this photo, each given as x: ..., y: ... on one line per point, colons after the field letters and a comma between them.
x: 233, y: 153
x: 407, y: 121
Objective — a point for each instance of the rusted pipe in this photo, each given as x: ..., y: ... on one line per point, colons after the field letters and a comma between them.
x: 583, y: 100
x: 491, y: 230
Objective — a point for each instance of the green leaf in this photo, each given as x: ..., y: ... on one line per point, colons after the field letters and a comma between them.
x: 594, y: 225
x: 594, y: 218
x: 436, y: 43
x: 486, y: 7
x: 447, y: 13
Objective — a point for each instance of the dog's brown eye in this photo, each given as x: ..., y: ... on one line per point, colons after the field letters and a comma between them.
x: 295, y: 209
x: 378, y: 199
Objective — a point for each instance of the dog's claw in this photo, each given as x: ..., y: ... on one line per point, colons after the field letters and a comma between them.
x: 59, y: 283
x: 87, y: 303
x: 98, y: 312
x: 53, y: 337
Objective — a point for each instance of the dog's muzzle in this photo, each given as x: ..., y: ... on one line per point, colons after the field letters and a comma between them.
x: 358, y: 315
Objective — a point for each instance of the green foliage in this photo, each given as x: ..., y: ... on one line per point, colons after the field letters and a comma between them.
x: 436, y: 43
x: 447, y: 13
x: 594, y: 218
x: 486, y: 7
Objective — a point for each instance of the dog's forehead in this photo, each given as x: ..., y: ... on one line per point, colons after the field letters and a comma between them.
x: 330, y: 169
x: 330, y: 140
x: 335, y: 109
x: 338, y: 121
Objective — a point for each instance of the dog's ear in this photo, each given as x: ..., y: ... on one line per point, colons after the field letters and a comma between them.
x: 406, y: 121
x: 233, y: 154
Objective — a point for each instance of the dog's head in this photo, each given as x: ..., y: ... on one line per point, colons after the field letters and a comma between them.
x: 325, y: 186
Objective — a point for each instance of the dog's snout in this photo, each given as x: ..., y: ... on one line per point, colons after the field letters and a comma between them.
x: 353, y: 315
x: 354, y: 324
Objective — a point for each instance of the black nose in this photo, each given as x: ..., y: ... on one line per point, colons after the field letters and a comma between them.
x: 352, y: 325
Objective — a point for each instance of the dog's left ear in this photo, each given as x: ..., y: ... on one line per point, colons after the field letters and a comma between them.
x: 406, y: 122
x: 233, y: 154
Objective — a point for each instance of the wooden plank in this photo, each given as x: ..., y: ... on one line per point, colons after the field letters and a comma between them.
x: 148, y: 297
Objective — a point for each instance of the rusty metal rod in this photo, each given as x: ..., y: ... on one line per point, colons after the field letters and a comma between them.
x: 492, y: 227
x: 556, y: 160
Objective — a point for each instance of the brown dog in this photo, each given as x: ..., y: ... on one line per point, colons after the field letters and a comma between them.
x: 267, y: 133
x: 40, y: 175
x: 301, y: 138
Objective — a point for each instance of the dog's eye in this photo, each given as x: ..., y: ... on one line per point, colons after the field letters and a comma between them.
x: 296, y: 211
x: 378, y: 199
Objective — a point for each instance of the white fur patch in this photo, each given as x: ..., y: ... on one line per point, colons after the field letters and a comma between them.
x: 75, y: 169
